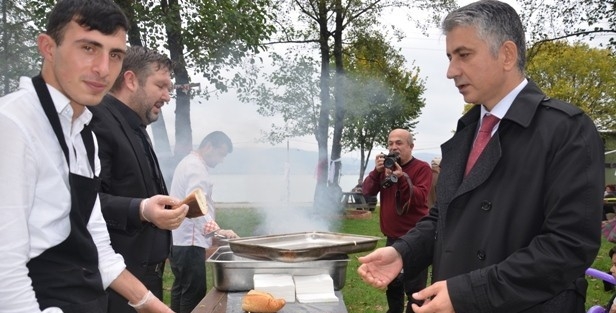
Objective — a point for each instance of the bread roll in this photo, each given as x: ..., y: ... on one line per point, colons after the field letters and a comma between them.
x: 197, y: 204
x: 261, y: 302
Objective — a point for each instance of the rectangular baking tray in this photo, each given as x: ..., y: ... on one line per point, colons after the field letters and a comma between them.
x: 301, y: 247
x: 231, y: 272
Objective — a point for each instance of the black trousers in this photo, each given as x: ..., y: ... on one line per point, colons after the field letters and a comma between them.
x: 151, y: 276
x: 189, y: 286
x: 402, y: 287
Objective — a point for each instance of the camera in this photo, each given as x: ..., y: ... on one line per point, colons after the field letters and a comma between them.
x: 391, y: 160
x: 388, y: 181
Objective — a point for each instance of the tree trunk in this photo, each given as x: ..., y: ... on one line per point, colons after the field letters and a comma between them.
x: 6, y: 83
x: 134, y: 33
x: 321, y: 195
x: 163, y: 148
x: 339, y: 100
x: 183, y: 130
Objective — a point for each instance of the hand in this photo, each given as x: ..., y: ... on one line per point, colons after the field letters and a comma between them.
x: 398, y: 171
x: 154, y: 210
x: 380, y: 267
x: 378, y: 162
x: 227, y: 233
x: 210, y: 228
x: 154, y: 305
x: 436, y: 299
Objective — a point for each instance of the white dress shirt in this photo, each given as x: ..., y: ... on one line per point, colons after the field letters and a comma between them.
x: 501, y: 108
x: 35, y: 192
x: 192, y: 173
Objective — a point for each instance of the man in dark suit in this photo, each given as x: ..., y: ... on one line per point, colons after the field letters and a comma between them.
x: 133, y: 192
x: 515, y: 230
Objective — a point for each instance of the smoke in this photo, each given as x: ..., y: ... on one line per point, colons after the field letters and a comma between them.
x: 280, y: 215
x: 272, y: 180
x: 283, y: 219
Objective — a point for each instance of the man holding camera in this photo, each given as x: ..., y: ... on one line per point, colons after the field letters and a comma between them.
x: 403, y: 183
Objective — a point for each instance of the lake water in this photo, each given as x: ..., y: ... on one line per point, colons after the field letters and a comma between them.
x: 270, y: 188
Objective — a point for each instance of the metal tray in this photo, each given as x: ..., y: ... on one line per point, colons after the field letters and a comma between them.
x: 301, y: 247
x: 235, y: 273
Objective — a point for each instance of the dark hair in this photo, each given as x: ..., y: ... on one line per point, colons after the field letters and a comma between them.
x: 139, y: 60
x: 494, y: 21
x: 217, y: 139
x: 104, y: 16
x: 612, y: 252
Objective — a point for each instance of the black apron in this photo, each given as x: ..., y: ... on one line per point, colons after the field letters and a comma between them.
x: 67, y: 275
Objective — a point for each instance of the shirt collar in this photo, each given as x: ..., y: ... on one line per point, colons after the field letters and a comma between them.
x: 501, y: 108
x: 61, y: 103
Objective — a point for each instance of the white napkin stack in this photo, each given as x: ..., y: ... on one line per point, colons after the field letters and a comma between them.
x: 314, y: 288
x: 278, y: 285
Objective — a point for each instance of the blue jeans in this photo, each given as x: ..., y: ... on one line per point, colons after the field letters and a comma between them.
x: 189, y: 286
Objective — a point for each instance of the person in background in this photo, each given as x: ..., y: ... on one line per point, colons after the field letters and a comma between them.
x: 403, y: 190
x: 56, y: 255
x: 133, y: 191
x: 608, y: 202
x: 358, y: 187
x: 358, y: 190
x: 515, y: 231
x: 358, y: 196
x: 194, y: 236
x: 435, y: 164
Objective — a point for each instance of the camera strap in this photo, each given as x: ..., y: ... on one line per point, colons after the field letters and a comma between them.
x: 402, y: 208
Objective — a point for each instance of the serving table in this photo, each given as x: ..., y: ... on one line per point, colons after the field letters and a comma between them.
x: 216, y: 301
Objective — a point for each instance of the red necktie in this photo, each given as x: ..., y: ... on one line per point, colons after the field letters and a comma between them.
x: 484, y: 135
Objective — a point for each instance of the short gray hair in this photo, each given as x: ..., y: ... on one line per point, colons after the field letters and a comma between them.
x: 495, y: 22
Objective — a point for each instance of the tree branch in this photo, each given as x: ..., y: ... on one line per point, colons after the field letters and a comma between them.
x: 576, y: 34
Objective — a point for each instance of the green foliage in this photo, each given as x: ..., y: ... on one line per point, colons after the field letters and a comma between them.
x: 381, y: 93
x: 216, y: 35
x: 301, y: 19
x: 331, y: 25
x: 18, y: 50
x: 580, y: 75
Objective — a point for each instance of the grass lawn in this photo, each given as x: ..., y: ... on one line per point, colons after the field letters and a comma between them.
x: 358, y: 296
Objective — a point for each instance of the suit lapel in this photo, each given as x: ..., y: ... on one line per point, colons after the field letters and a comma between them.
x: 483, y: 168
x: 136, y: 146
x: 455, y: 154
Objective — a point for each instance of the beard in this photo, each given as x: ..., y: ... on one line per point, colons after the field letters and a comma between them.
x: 145, y: 109
x: 150, y: 116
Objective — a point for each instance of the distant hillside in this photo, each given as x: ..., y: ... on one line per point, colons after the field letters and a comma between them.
x: 273, y: 160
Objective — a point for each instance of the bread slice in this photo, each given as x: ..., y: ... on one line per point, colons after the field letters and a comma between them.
x: 197, y: 204
x: 261, y: 302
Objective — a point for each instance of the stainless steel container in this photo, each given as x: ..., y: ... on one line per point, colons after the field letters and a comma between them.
x: 232, y: 272
x: 301, y: 247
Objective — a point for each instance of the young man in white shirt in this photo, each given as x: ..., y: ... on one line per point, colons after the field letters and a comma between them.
x: 55, y: 246
x: 194, y: 236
